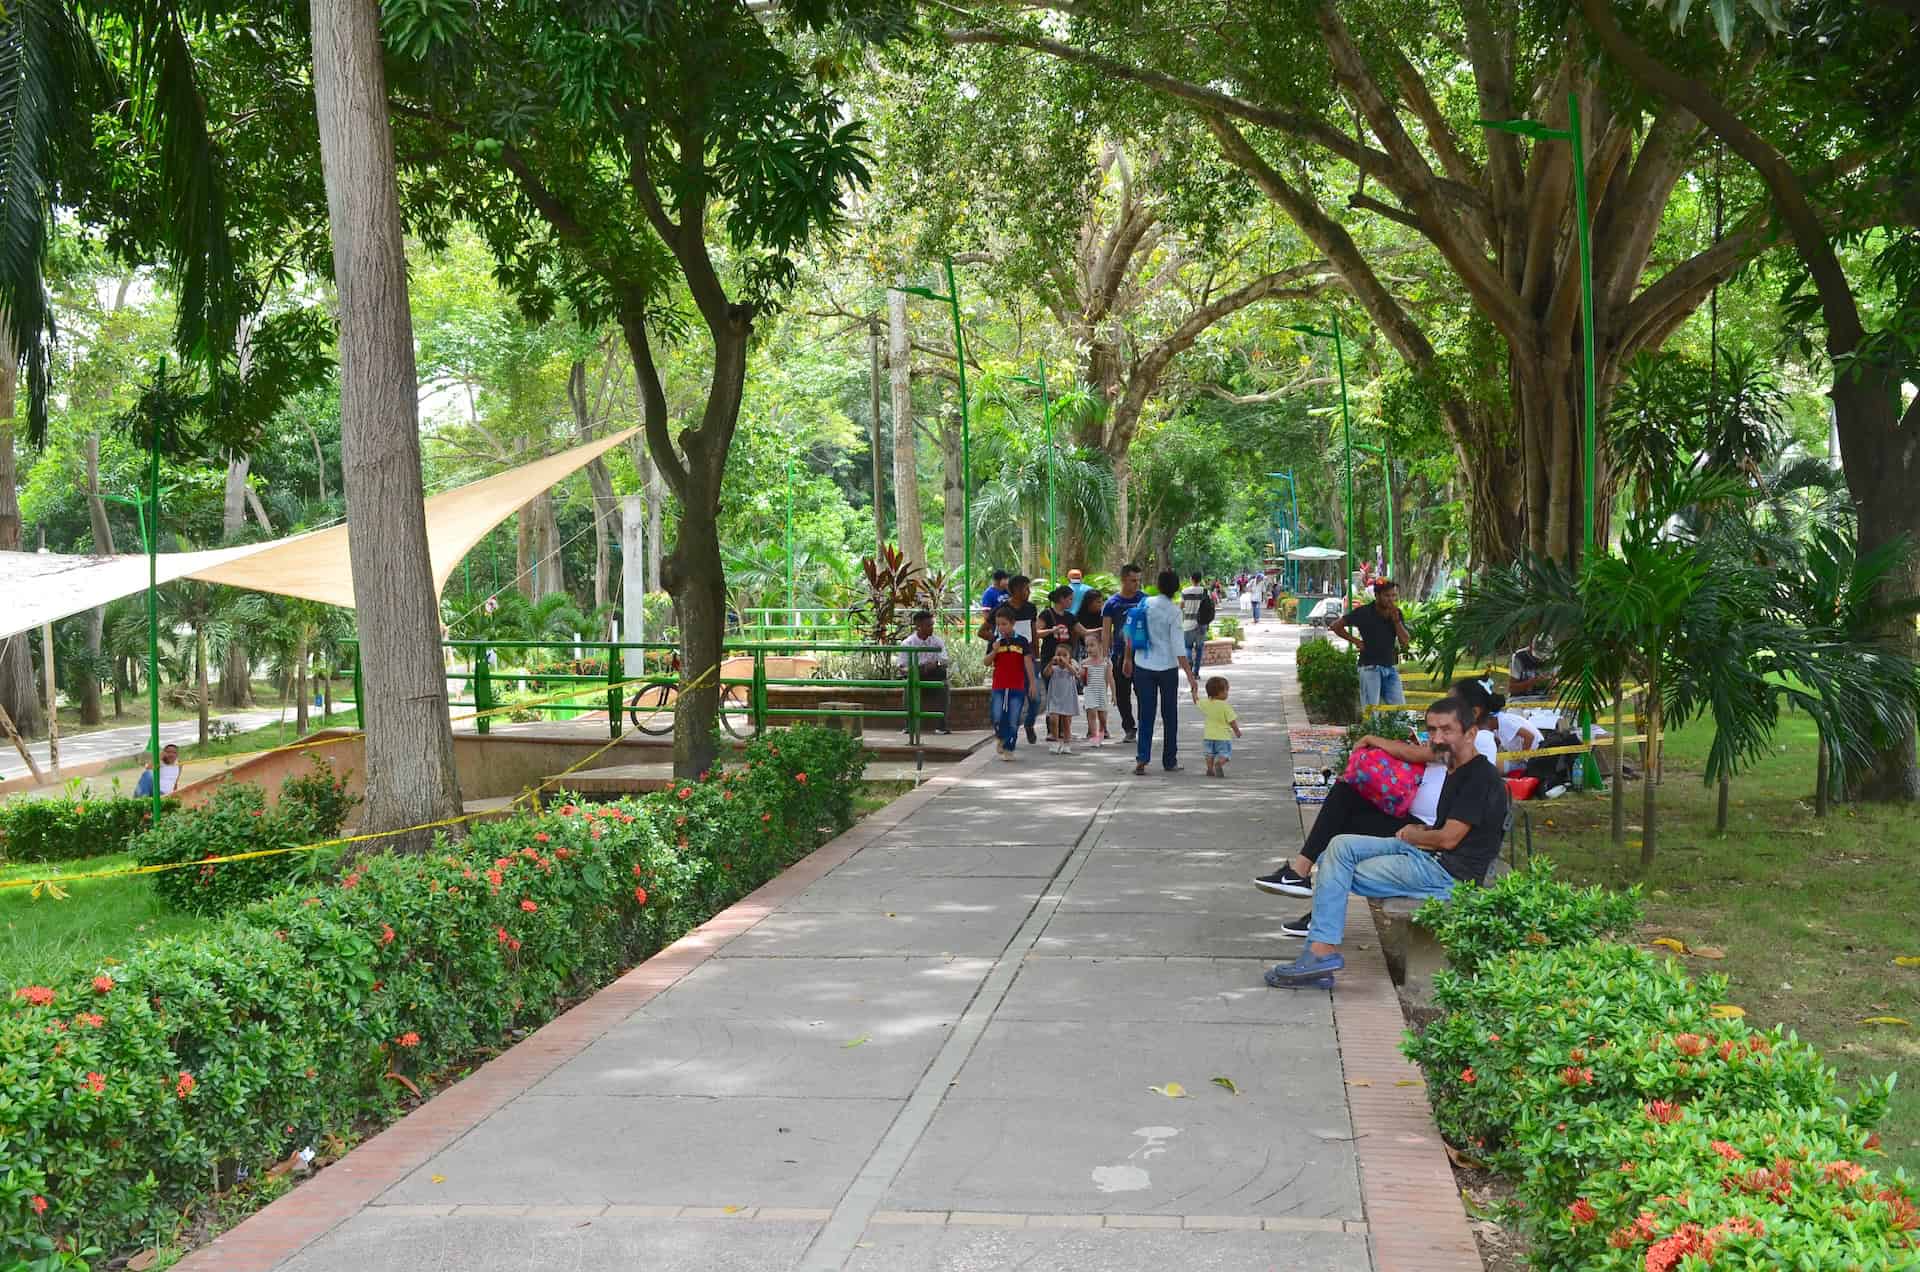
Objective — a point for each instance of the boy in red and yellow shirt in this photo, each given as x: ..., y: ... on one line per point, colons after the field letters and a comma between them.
x: 1010, y: 655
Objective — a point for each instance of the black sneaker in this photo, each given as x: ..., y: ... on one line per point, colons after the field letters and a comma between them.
x: 1129, y: 737
x: 1299, y: 926
x: 1031, y: 739
x: 1284, y: 882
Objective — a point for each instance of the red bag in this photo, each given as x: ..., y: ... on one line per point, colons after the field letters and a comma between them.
x: 1389, y: 783
x: 1521, y: 788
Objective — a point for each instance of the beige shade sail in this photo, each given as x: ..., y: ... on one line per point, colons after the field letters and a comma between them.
x: 41, y: 587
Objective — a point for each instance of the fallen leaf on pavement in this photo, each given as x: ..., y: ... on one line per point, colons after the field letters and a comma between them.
x: 439, y: 1179
x: 1887, y: 1020
x: 1461, y: 1160
x: 1227, y: 1084
x: 1707, y: 951
x: 1413, y: 1082
x: 1173, y: 1091
x: 1678, y: 947
x: 1359, y: 1081
x: 1726, y: 1011
x: 863, y: 1038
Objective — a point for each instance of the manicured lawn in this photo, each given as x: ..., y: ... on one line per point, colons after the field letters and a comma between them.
x: 43, y: 941
x: 1811, y: 912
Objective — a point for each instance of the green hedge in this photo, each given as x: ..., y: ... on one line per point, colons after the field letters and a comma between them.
x: 1329, y: 681
x: 238, y: 819
x: 123, y: 1095
x: 72, y: 827
x: 1632, y: 1109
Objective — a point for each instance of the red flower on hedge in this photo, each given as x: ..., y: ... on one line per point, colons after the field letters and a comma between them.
x: 408, y: 1039
x: 184, y: 1086
x: 1582, y: 1211
x: 1576, y: 1077
x: 38, y: 995
x: 1468, y: 1076
x: 800, y: 778
x: 386, y: 934
x: 96, y: 1082
x: 1663, y: 1111
x: 568, y: 810
x: 351, y: 881
x: 1667, y: 1252
x: 528, y: 906
x: 1726, y: 1150
x: 1844, y: 1173
x: 685, y: 792
x: 541, y: 836
x: 1690, y: 1044
x: 640, y: 895
x: 766, y: 817
x: 39, y: 1204
x: 103, y: 984
x: 92, y: 1020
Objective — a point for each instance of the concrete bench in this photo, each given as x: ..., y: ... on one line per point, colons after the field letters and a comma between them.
x: 1413, y: 954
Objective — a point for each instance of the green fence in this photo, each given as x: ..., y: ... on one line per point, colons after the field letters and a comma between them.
x: 777, y: 624
x: 744, y: 705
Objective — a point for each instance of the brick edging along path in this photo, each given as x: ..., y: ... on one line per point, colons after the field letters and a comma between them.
x: 278, y: 1231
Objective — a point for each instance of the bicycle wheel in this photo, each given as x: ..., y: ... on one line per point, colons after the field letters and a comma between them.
x: 736, y: 712
x: 651, y: 710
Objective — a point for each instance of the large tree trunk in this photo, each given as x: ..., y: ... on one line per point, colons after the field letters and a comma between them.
x: 97, y: 617
x: 549, y: 576
x: 906, y: 471
x: 300, y: 684
x: 953, y: 499
x: 409, y: 741
x: 18, y: 693
x: 526, y: 575
x: 200, y: 679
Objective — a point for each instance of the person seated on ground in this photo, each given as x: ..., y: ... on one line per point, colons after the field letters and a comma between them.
x: 1529, y: 671
x: 1348, y: 812
x: 932, y: 656
x: 1417, y: 861
x: 169, y: 773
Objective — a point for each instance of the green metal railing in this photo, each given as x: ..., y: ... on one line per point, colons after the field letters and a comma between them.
x: 753, y: 707
x: 769, y: 623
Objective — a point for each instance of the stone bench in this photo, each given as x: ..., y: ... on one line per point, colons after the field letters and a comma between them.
x: 1413, y: 954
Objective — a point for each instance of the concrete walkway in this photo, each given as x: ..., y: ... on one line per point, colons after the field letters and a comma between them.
x: 935, y: 1049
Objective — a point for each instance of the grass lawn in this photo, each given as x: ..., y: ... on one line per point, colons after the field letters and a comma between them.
x: 44, y: 941
x: 1811, y: 913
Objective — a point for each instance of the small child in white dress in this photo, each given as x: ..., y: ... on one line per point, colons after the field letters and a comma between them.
x: 1098, y: 693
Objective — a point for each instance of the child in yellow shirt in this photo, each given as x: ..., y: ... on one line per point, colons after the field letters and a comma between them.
x: 1223, y: 725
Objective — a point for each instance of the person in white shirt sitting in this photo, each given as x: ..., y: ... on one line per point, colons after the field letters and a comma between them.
x: 932, y: 655
x: 169, y: 773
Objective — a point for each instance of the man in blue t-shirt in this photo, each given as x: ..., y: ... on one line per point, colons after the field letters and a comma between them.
x: 990, y: 600
x: 1113, y: 617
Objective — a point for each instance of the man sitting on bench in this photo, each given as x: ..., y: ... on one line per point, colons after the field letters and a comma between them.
x: 1417, y: 861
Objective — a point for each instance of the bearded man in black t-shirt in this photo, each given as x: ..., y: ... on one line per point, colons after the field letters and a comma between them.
x: 1417, y: 861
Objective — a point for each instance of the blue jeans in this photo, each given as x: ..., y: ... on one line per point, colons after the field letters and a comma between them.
x: 1216, y: 749
x: 1382, y: 685
x: 1154, y: 692
x: 1370, y: 866
x: 1196, y: 649
x: 1009, y: 707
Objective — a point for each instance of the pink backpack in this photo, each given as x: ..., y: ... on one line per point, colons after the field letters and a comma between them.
x: 1388, y: 783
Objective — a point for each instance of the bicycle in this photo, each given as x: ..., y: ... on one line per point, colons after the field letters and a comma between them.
x: 651, y: 710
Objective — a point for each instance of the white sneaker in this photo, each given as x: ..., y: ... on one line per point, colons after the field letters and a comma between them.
x: 1065, y: 749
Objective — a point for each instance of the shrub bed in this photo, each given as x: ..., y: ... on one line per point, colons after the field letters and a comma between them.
x: 1329, y: 681
x: 238, y: 819
x: 73, y: 827
x: 1619, y: 1095
x: 126, y: 1096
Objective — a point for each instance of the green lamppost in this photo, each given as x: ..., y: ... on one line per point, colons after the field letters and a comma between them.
x: 1346, y: 434
x: 793, y: 605
x: 1385, y: 452
x: 147, y: 517
x: 952, y: 300
x: 1046, y: 421
x: 1536, y: 131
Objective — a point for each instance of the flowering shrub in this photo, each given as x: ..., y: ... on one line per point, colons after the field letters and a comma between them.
x: 1525, y: 910
x: 1563, y: 1045
x: 72, y: 827
x: 1768, y: 1187
x: 238, y: 819
x: 124, y: 1093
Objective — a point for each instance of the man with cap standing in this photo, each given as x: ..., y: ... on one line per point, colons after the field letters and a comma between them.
x: 1080, y: 589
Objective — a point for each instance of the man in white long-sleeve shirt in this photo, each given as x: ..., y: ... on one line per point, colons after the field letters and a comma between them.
x: 932, y: 656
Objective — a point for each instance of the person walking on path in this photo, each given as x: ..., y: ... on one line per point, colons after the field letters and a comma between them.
x: 1098, y: 694
x: 1079, y: 587
x: 1196, y: 616
x: 1063, y: 700
x: 932, y: 654
x: 1417, y: 861
x: 1026, y: 617
x: 1222, y: 726
x: 1055, y: 628
x: 1253, y: 595
x: 1112, y: 615
x: 1382, y: 639
x: 1013, y: 681
x: 1155, y: 660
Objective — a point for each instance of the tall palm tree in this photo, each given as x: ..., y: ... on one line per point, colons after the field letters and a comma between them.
x: 215, y: 616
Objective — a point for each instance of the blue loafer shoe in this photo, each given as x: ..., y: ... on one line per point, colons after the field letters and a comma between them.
x: 1308, y: 967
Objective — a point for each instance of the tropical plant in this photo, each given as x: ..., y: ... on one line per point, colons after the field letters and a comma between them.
x: 896, y: 587
x: 214, y: 615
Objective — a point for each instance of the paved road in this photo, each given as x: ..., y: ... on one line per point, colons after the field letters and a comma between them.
x: 103, y: 744
x: 939, y: 1056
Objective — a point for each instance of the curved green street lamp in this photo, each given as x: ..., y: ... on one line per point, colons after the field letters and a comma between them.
x: 952, y: 300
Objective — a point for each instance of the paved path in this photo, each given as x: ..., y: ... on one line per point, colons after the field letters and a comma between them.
x: 106, y: 744
x: 932, y: 1049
